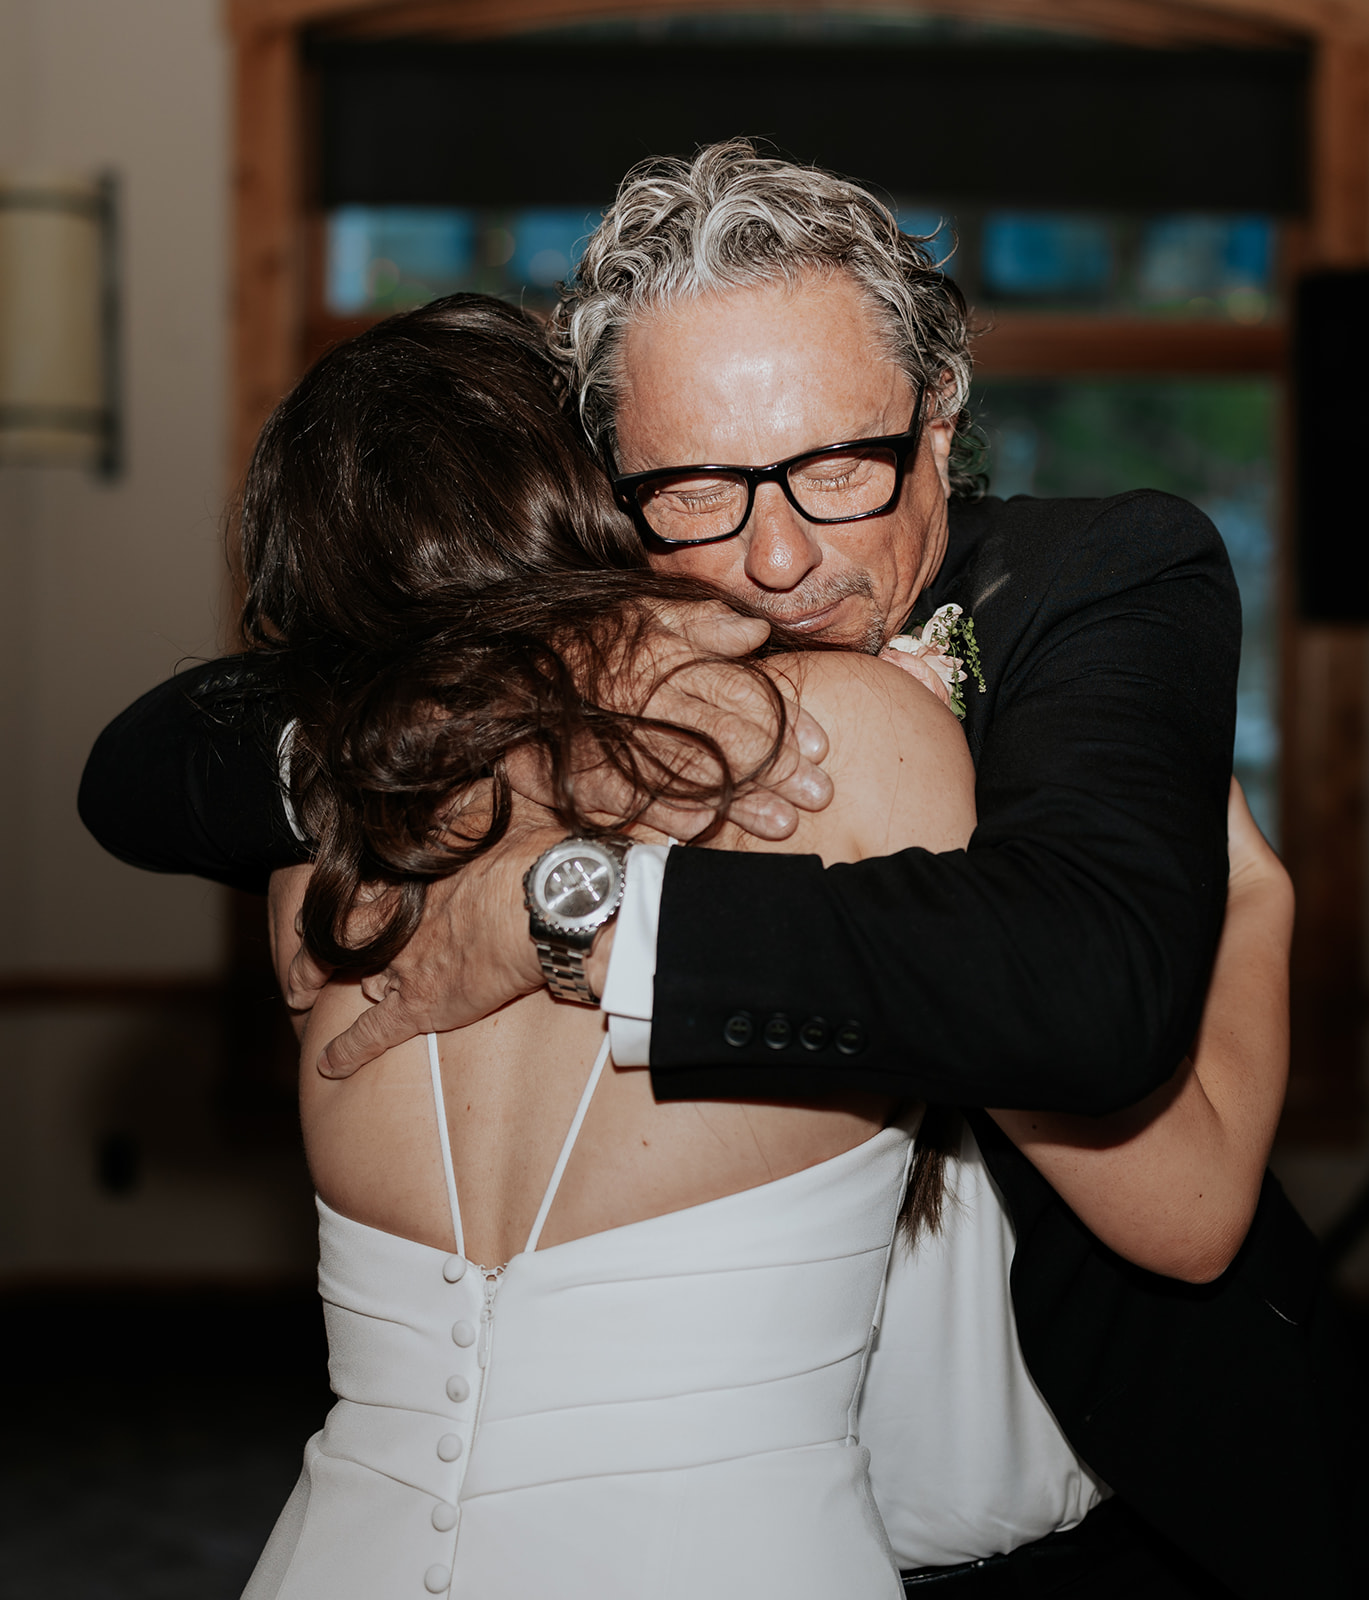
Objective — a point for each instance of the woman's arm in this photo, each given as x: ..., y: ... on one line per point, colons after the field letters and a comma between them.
x: 1172, y: 1183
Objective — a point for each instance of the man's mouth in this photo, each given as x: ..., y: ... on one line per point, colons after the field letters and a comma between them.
x: 813, y: 621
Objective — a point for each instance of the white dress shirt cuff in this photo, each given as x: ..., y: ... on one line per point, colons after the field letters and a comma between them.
x: 283, y: 753
x: 629, y: 989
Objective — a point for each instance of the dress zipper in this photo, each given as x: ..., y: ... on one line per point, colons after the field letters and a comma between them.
x: 482, y: 1349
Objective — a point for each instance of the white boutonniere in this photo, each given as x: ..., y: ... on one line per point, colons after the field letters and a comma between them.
x: 929, y: 654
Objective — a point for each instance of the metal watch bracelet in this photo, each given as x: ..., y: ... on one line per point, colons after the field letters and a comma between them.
x: 564, y: 970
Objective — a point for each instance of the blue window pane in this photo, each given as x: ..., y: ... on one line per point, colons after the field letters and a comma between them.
x: 1039, y: 255
x: 388, y: 258
x: 548, y: 244
x: 923, y: 223
x: 1207, y: 264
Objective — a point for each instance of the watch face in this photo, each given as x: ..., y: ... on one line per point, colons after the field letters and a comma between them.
x: 577, y: 885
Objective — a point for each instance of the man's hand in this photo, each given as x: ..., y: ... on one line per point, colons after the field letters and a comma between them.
x: 299, y: 975
x: 470, y: 955
x: 727, y: 705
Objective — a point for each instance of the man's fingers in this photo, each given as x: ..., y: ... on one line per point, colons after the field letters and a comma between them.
x: 810, y: 733
x: 371, y: 1035
x: 764, y: 815
x: 807, y: 787
x: 711, y: 628
x: 304, y: 979
x: 529, y: 773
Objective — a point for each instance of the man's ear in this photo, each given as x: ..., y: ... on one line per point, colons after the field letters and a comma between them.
x: 941, y: 435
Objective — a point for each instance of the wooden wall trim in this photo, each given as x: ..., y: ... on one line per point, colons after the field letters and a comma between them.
x: 64, y: 990
x: 267, y: 285
x: 1029, y: 345
x: 1155, y: 23
x: 1136, y: 21
x: 1325, y: 687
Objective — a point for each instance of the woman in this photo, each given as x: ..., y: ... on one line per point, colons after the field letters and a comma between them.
x: 649, y: 1385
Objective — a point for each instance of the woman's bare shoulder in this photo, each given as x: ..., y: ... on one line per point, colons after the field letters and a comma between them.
x: 859, y: 697
x: 898, y: 757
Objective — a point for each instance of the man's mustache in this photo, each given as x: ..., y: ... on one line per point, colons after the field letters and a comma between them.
x: 786, y: 609
x: 795, y: 604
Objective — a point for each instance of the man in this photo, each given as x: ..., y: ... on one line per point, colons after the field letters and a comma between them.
x: 745, y: 312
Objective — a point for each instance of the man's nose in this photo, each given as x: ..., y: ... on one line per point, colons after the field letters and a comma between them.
x: 781, y: 546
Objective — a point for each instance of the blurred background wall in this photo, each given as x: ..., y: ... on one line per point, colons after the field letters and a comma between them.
x: 116, y: 1161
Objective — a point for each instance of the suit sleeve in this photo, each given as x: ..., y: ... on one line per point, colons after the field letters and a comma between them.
x: 186, y: 780
x: 1060, y: 961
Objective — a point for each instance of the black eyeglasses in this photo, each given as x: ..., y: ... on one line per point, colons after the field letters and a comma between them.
x: 702, y: 505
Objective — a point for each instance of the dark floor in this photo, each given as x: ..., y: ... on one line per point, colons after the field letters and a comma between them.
x: 152, y: 1439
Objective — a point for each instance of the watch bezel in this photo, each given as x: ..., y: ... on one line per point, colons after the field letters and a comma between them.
x: 611, y: 851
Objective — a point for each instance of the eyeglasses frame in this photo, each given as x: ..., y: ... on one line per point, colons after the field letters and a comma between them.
x: 902, y: 444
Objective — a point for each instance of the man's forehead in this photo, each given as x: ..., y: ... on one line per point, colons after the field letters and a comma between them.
x: 771, y: 359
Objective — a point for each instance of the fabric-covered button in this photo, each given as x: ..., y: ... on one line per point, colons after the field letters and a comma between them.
x: 850, y: 1038
x: 454, y: 1269
x: 437, y: 1580
x: 779, y: 1032
x: 449, y: 1447
x: 458, y: 1389
x: 814, y: 1034
x: 739, y: 1030
x: 444, y: 1517
x: 463, y: 1334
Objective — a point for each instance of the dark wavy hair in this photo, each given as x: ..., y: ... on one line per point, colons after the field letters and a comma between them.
x: 436, y: 566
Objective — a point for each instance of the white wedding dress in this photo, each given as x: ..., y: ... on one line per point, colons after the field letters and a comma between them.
x: 662, y: 1411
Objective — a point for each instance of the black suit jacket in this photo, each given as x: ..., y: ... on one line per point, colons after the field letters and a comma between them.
x: 1060, y: 962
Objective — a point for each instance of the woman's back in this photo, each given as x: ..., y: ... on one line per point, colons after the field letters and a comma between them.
x: 660, y: 1398
x: 901, y: 772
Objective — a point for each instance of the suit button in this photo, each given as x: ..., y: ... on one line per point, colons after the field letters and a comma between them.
x: 850, y: 1038
x: 814, y: 1034
x: 779, y: 1031
x: 739, y: 1030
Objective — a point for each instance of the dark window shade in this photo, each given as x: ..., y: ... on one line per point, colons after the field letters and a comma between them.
x: 1331, y: 425
x: 1114, y: 129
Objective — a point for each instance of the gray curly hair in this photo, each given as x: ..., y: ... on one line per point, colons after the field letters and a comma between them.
x: 733, y: 219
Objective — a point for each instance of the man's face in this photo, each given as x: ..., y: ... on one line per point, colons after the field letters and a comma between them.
x: 758, y: 375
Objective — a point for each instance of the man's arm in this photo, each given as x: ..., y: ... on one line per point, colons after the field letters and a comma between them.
x: 186, y: 780
x: 1060, y: 962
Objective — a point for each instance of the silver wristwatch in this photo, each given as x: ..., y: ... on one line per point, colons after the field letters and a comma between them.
x: 571, y: 891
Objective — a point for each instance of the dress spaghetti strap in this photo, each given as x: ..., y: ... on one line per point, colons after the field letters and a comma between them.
x: 568, y: 1144
x: 577, y: 1122
x: 440, y: 1106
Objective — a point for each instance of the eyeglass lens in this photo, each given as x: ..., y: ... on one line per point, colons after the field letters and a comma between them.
x: 829, y: 485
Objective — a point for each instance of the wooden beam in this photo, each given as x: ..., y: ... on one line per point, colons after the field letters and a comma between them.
x: 1135, y: 21
x: 1154, y: 23
x: 1028, y: 345
x: 62, y: 991
x: 1325, y: 688
x: 1340, y: 139
x: 267, y: 299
